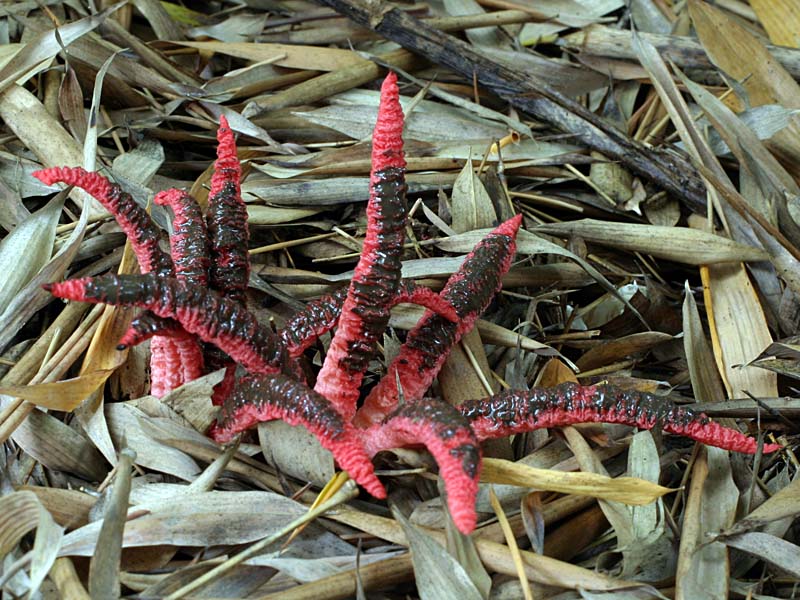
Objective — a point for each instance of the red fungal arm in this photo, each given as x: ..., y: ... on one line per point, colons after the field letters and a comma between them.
x: 427, y: 346
x: 317, y: 318
x: 448, y: 437
x: 265, y: 398
x: 146, y: 325
x: 365, y: 313
x: 219, y: 321
x: 518, y: 411
x: 189, y: 239
x: 227, y: 220
x: 132, y: 218
x: 413, y: 294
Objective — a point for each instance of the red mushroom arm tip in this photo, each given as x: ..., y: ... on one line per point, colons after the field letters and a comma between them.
x: 518, y: 411
x: 132, y: 218
x: 219, y: 321
x: 189, y: 239
x: 447, y: 435
x: 469, y: 290
x: 373, y: 288
x: 265, y: 398
x: 226, y: 220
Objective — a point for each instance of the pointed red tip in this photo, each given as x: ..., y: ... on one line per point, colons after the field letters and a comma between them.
x: 387, y: 138
x: 223, y: 121
x: 510, y: 227
x: 47, y: 287
x: 46, y: 176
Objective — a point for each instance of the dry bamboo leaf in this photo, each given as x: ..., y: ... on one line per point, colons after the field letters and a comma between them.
x: 27, y: 249
x: 739, y: 54
x: 650, y: 554
x: 105, y: 564
x: 44, y: 136
x: 629, y: 490
x: 617, y: 513
x: 311, y: 58
x: 438, y: 575
x: 128, y: 426
x: 20, y: 512
x: 70, y: 508
x: 739, y: 330
x: 201, y: 519
x: 355, y: 111
x: 59, y: 447
x: 295, y: 451
x: 32, y: 297
x: 484, y: 37
x: 785, y: 503
x: 564, y: 14
x: 772, y: 549
x: 680, y: 244
x: 495, y: 556
x: 703, y: 568
x: 613, y: 350
x: 64, y: 395
x: 471, y: 206
x: 511, y: 542
x: 702, y: 369
x: 781, y: 19
x: 272, y: 215
x: 33, y: 55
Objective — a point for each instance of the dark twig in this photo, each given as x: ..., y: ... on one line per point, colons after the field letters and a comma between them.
x: 531, y: 95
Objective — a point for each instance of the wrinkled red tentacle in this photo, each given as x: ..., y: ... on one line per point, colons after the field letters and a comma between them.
x: 219, y: 321
x: 147, y: 325
x: 226, y: 220
x: 143, y: 235
x: 449, y: 438
x: 517, y: 411
x: 264, y: 398
x: 469, y: 290
x: 411, y: 293
x: 315, y: 319
x: 189, y: 239
x: 319, y: 316
x: 365, y: 313
x: 132, y: 218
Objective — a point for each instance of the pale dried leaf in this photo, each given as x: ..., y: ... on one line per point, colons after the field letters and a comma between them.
x: 438, y: 575
x: 202, y: 519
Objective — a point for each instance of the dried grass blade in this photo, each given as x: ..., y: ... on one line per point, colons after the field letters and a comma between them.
x: 511, y: 542
x: 680, y: 244
x: 629, y: 490
x: 702, y: 570
x: 105, y: 564
x: 21, y: 512
x: 438, y: 575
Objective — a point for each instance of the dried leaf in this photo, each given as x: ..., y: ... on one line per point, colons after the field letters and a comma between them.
x: 683, y: 245
x: 20, y: 513
x: 64, y: 395
x: 438, y: 575
x: 27, y: 249
x: 621, y: 489
x: 201, y: 519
